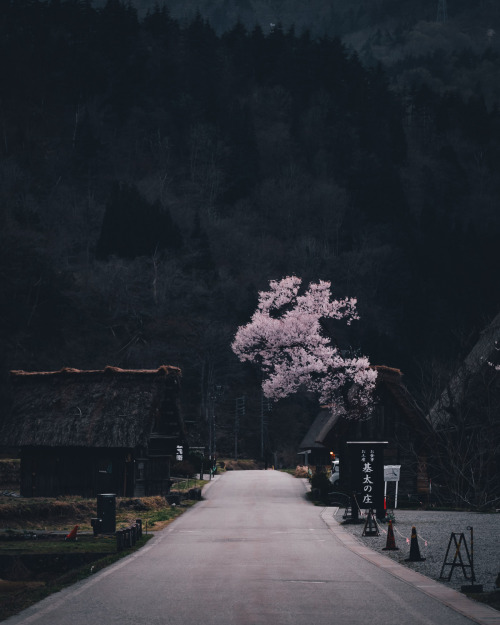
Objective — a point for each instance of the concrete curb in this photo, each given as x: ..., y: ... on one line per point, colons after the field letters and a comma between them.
x: 207, y: 486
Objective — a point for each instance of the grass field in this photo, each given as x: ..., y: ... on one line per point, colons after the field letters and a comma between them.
x: 36, y: 560
x: 18, y: 594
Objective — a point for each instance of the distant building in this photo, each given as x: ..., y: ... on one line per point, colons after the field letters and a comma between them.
x: 483, y: 357
x: 98, y: 431
x: 396, y: 418
x: 466, y: 422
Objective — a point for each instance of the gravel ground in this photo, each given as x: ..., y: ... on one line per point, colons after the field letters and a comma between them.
x: 433, y: 531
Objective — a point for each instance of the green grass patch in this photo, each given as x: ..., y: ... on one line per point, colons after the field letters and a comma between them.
x: 17, y: 596
x: 183, y: 486
x: 165, y: 515
x: 42, y: 516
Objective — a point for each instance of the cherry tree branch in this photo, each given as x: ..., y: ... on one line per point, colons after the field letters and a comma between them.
x: 284, y: 337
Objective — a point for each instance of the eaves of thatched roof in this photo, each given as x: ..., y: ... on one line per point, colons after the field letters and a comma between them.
x: 391, y: 380
x: 90, y: 408
x: 484, y: 351
x: 319, y: 429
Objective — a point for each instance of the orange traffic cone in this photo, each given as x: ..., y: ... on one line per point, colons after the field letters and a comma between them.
x: 391, y: 542
x: 72, y: 534
x: 414, y: 548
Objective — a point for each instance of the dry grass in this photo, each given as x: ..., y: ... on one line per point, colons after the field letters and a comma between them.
x: 45, y: 513
x: 242, y: 464
x: 63, y: 513
x: 301, y: 471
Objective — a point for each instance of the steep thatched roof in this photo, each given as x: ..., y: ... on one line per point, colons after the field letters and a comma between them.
x: 392, y: 380
x: 97, y: 408
x: 485, y: 351
x: 320, y: 427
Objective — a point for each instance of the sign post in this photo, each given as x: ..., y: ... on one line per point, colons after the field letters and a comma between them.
x: 391, y: 474
x: 366, y: 459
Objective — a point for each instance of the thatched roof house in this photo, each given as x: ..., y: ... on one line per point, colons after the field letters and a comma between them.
x: 396, y: 419
x: 314, y: 445
x: 485, y: 353
x: 466, y: 422
x: 83, y: 432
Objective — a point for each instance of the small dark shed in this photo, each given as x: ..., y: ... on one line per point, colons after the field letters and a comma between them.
x: 98, y: 431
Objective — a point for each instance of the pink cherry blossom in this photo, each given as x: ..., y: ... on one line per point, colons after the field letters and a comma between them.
x: 284, y: 337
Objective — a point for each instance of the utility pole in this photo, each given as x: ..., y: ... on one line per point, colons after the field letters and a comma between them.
x: 216, y: 392
x: 442, y: 11
x: 265, y: 409
x: 209, y: 421
x: 239, y: 412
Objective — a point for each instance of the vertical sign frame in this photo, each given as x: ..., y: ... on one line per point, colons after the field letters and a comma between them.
x: 367, y: 474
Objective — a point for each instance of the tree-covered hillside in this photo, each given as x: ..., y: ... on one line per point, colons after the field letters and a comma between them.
x: 450, y: 45
x: 156, y: 175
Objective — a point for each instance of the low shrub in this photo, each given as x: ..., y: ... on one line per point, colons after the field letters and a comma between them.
x: 321, y: 484
x: 301, y: 471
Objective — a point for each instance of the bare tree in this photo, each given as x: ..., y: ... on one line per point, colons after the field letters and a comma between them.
x: 466, y: 426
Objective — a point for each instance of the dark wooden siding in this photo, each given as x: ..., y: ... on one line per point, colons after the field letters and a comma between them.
x: 51, y: 472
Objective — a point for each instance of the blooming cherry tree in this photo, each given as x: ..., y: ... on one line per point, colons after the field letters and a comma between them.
x: 285, y: 338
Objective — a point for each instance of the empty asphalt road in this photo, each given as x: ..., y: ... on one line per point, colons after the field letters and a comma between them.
x: 253, y: 552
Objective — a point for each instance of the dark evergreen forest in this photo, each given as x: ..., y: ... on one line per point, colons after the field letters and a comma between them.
x: 156, y: 173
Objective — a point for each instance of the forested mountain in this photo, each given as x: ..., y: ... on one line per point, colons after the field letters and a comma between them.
x: 156, y: 173
x: 450, y: 45
x: 446, y: 43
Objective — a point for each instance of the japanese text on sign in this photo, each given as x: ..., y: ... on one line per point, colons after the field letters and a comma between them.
x: 367, y: 459
x: 366, y: 465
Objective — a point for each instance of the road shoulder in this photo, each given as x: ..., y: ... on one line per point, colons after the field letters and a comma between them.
x: 455, y: 600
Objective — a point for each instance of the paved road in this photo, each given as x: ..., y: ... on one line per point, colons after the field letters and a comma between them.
x: 253, y: 552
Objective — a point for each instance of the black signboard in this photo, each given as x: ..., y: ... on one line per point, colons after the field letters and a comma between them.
x: 367, y: 473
